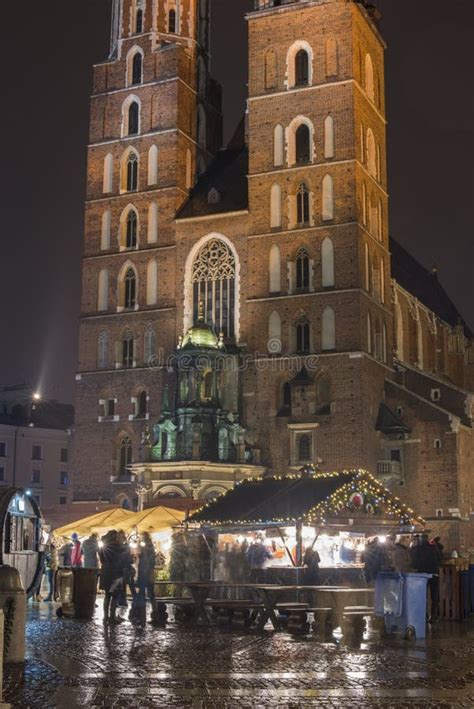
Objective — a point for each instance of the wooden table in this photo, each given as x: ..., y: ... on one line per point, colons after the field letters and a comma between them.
x: 269, y: 596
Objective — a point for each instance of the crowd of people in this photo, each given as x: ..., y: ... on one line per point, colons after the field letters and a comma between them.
x: 420, y: 555
x: 121, y: 567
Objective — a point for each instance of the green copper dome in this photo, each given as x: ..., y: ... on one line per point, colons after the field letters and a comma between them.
x: 200, y: 336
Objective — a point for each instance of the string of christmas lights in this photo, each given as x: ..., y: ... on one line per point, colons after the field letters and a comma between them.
x: 379, y: 500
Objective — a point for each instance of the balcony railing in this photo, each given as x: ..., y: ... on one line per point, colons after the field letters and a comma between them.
x: 389, y: 469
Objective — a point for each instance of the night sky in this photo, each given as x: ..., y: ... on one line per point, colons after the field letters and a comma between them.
x: 48, y: 50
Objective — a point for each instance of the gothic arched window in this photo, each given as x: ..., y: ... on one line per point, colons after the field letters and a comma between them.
x: 130, y: 289
x: 133, y: 118
x: 128, y: 350
x: 303, y: 144
x: 125, y: 456
x: 213, y: 280
x: 137, y: 67
x: 139, y: 22
x: 131, y: 230
x: 302, y: 205
x: 172, y: 22
x: 302, y: 270
x: 301, y: 68
x: 132, y: 173
x: 302, y: 337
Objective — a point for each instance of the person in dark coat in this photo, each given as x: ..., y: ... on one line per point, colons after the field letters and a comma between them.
x: 311, y: 563
x: 146, y: 570
x: 375, y: 558
x: 426, y: 559
x: 114, y: 560
x: 90, y: 549
x: 128, y: 573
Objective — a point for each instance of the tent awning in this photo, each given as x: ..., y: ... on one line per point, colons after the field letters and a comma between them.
x: 155, y: 519
x: 109, y: 518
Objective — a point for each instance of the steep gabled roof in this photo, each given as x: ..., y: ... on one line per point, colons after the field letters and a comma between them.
x: 424, y: 285
x: 389, y: 423
x: 227, y: 174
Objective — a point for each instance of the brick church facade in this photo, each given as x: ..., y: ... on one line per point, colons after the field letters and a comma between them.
x: 245, y: 310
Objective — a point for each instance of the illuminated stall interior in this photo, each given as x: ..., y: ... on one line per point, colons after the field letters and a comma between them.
x: 334, y: 513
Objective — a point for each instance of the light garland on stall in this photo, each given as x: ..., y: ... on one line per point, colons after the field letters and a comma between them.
x: 362, y: 483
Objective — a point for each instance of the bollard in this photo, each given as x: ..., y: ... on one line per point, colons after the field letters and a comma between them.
x: 13, y: 604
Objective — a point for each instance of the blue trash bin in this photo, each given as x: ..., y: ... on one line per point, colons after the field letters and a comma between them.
x: 401, y: 600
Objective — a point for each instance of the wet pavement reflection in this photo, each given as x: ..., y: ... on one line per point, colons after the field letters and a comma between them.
x: 72, y: 663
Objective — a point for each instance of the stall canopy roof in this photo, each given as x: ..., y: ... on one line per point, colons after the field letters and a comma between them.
x: 114, y: 517
x: 308, y: 498
x: 154, y: 519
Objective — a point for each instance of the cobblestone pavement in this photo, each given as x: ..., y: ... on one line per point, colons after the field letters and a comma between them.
x: 72, y: 663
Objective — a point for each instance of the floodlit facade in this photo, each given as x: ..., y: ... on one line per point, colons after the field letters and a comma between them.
x: 245, y: 310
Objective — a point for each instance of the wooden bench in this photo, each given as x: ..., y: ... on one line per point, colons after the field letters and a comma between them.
x: 234, y: 611
x: 176, y: 600
x: 297, y: 615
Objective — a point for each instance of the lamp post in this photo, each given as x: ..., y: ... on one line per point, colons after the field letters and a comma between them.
x: 34, y: 396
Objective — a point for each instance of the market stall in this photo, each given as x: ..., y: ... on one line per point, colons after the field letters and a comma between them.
x: 20, y: 535
x: 334, y: 513
x: 108, y: 519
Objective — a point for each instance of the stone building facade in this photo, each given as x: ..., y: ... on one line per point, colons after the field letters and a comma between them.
x: 272, y: 259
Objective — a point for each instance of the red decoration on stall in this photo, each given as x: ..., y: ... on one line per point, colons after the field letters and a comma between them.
x: 356, y: 501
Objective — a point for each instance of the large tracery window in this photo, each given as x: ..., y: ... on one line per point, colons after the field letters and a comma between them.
x: 214, y: 286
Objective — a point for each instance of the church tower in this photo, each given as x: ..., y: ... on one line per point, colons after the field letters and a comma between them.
x: 155, y: 126
x: 319, y: 218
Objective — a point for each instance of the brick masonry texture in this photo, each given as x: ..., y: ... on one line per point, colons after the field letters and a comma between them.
x: 416, y: 339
